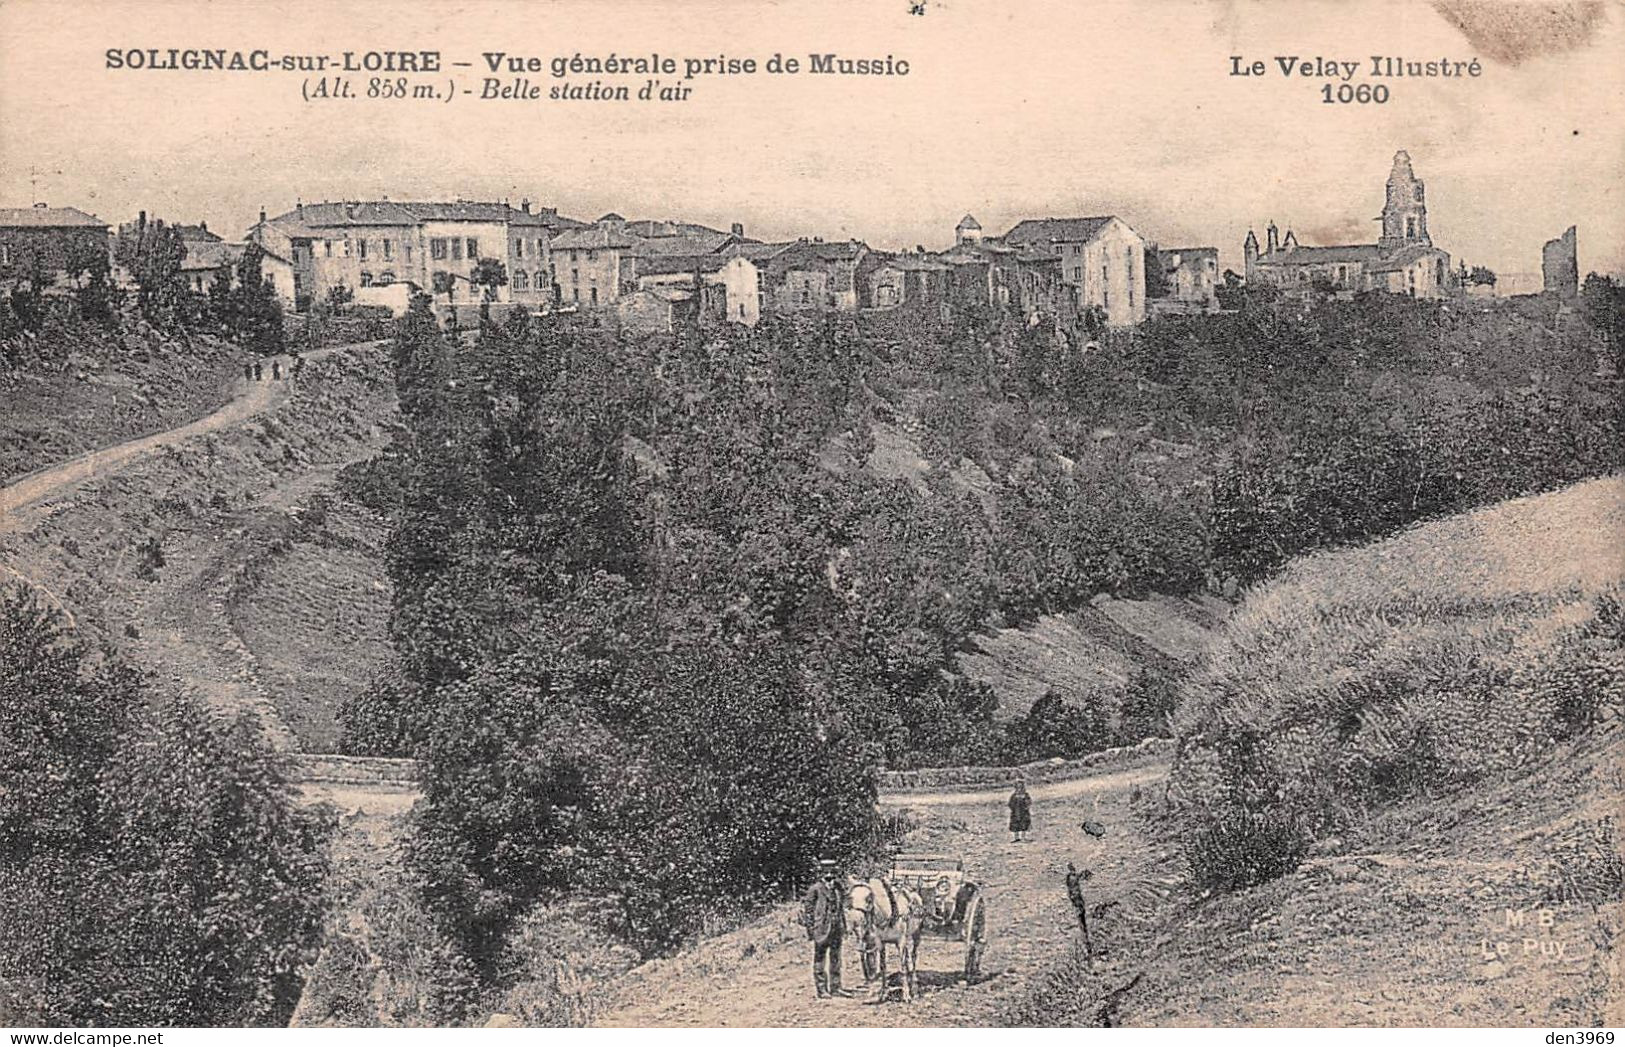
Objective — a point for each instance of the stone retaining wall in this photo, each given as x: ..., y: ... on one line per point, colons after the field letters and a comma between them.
x: 1055, y: 770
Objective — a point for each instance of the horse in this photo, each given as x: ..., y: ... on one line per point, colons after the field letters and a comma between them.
x: 880, y: 913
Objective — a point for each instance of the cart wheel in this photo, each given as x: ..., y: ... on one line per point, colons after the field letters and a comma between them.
x: 975, y: 940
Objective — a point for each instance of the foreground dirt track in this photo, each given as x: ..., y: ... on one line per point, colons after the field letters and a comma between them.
x: 761, y: 974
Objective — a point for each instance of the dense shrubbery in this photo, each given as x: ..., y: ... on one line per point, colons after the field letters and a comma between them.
x: 152, y: 868
x: 646, y: 591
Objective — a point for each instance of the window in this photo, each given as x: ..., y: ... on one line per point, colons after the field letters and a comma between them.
x: 592, y: 256
x: 366, y: 279
x: 456, y: 249
x: 389, y: 249
x: 363, y: 249
x: 541, y: 247
x: 521, y: 280
x: 1077, y: 272
x: 329, y: 245
x: 575, y: 294
x: 385, y: 278
x: 1410, y: 228
x: 519, y: 248
x: 594, y: 293
x: 437, y: 248
x: 348, y: 248
x: 575, y: 276
x: 572, y: 256
x: 473, y: 248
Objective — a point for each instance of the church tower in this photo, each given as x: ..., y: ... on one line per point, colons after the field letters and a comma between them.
x: 1405, y: 214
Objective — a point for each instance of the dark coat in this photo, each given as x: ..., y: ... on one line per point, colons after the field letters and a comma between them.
x: 1021, y: 812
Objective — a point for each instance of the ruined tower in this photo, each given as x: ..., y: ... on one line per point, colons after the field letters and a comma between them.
x: 1405, y: 214
x: 1560, y: 266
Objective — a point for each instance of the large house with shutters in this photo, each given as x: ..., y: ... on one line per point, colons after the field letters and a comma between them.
x: 434, y: 246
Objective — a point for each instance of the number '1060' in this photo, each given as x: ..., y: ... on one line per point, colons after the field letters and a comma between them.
x: 1361, y: 93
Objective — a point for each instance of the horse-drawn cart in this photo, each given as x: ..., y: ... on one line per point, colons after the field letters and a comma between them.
x: 954, y: 907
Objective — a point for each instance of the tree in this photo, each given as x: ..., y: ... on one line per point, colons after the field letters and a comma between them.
x: 1156, y: 277
x: 154, y: 869
x: 158, y: 255
x: 255, y: 311
x: 339, y: 297
x: 490, y: 275
x: 1481, y: 276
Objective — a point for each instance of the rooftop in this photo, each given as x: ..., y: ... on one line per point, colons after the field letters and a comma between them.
x: 42, y: 217
x: 210, y: 254
x: 683, y: 263
x: 1056, y: 230
x: 405, y: 212
x: 593, y: 237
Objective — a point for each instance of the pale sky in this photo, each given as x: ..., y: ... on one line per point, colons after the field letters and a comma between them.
x: 1011, y: 109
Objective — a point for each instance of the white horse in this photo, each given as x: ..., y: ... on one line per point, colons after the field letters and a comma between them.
x: 880, y: 913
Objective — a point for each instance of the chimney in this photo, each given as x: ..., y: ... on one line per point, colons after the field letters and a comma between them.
x: 738, y: 229
x: 262, y: 216
x: 203, y: 226
x: 524, y: 205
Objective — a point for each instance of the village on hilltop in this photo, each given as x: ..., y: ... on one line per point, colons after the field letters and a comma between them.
x: 658, y: 275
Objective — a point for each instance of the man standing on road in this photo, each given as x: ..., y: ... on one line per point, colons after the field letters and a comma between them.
x: 821, y: 915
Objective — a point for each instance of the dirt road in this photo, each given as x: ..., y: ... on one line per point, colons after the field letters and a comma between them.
x: 761, y: 974
x: 254, y: 398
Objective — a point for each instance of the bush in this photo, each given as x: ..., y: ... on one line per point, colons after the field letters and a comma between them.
x: 153, y: 867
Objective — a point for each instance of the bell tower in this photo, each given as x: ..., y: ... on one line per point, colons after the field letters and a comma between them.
x: 1405, y: 212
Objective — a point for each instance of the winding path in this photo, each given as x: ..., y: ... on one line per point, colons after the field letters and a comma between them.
x: 256, y: 398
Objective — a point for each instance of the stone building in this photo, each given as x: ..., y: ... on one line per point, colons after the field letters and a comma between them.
x: 1560, y: 265
x: 1102, y: 261
x: 1191, y: 275
x: 1402, y: 261
x: 378, y: 243
x: 735, y: 278
x: 912, y: 280
x: 50, y: 238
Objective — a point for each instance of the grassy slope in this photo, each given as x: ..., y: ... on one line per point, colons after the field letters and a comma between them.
x: 1097, y: 648
x: 1403, y: 917
x: 315, y: 614
x: 94, y: 397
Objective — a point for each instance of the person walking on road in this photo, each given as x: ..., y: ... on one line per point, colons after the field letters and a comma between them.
x: 821, y: 916
x: 259, y: 371
x: 1021, y: 813
x: 276, y: 370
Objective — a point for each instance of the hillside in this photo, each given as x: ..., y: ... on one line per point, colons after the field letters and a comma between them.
x: 1422, y: 737
x: 81, y: 389
x: 1099, y: 647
